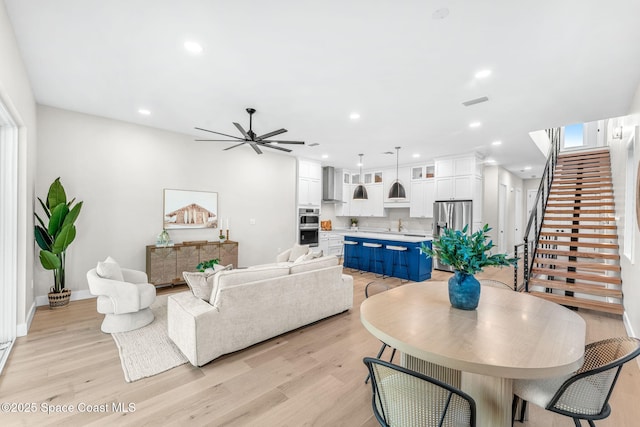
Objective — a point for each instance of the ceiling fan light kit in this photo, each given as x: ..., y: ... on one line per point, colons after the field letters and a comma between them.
x: 251, y: 138
x: 397, y: 191
x: 360, y: 192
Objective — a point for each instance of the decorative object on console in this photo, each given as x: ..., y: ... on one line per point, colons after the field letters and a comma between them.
x: 467, y: 254
x: 55, y: 237
x: 190, y: 209
x: 163, y: 239
x: 250, y: 137
x: 397, y: 190
x: 360, y: 192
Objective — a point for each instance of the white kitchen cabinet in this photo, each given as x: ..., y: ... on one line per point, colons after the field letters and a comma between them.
x: 373, y: 206
x: 309, y: 183
x: 455, y: 178
x: 422, y: 198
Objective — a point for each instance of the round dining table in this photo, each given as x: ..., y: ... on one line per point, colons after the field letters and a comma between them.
x: 511, y: 335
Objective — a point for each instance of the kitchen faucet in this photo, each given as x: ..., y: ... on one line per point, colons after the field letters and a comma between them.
x: 399, y: 225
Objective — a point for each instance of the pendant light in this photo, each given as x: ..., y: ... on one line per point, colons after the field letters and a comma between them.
x: 360, y: 193
x: 397, y: 190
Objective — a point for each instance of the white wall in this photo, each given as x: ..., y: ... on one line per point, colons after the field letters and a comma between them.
x: 16, y: 94
x: 120, y: 170
x: 630, y: 268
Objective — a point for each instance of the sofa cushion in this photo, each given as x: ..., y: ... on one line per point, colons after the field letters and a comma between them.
x: 314, y: 264
x: 198, y: 283
x: 201, y: 284
x: 109, y: 269
x: 298, y: 251
x: 226, y: 279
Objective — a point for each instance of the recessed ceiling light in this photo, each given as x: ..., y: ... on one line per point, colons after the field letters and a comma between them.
x: 496, y: 143
x: 354, y: 116
x: 483, y: 74
x: 475, y: 124
x: 360, y: 164
x: 144, y: 112
x: 325, y: 156
x: 415, y: 156
x: 527, y: 168
x: 491, y: 161
x: 193, y: 47
x: 274, y: 142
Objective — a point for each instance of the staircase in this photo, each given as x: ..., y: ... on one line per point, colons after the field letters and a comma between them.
x: 576, y: 258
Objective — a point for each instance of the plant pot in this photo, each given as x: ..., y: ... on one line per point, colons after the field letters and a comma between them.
x: 464, y: 291
x: 59, y: 299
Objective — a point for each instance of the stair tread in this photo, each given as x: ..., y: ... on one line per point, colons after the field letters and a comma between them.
x: 580, y: 265
x: 587, y: 211
x: 582, y: 187
x: 580, y: 218
x: 577, y: 254
x: 578, y: 203
x: 583, y: 288
x: 562, y: 197
x: 579, y: 235
x: 608, y: 307
x: 578, y: 244
x: 580, y: 226
x: 577, y: 275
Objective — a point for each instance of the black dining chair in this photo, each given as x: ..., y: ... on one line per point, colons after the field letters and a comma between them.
x: 373, y: 288
x: 585, y: 394
x: 402, y: 397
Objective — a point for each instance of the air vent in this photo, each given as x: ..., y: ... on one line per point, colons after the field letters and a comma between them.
x: 475, y: 101
x: 313, y: 144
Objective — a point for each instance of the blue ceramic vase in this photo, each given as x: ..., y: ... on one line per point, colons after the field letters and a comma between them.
x: 464, y: 291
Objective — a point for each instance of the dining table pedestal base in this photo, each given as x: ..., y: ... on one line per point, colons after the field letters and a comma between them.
x: 493, y: 395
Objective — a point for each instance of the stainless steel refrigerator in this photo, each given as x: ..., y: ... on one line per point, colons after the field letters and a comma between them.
x: 453, y: 214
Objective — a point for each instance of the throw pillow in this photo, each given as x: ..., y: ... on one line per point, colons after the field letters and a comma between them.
x: 297, y: 251
x: 198, y: 283
x: 109, y: 269
x: 313, y: 255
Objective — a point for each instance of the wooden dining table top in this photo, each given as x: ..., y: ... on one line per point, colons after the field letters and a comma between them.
x: 510, y: 334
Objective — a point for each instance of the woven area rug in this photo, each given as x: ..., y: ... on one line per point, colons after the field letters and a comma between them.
x: 148, y: 351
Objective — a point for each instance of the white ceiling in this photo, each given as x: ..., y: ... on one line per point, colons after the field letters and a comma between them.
x: 307, y: 65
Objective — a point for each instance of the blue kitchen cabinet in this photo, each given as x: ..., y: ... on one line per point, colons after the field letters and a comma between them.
x: 388, y: 261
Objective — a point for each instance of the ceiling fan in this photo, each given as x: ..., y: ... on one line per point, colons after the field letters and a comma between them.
x: 250, y: 137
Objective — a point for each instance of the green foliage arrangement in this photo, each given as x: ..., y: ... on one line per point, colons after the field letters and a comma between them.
x: 207, y: 264
x: 467, y: 253
x: 55, y: 237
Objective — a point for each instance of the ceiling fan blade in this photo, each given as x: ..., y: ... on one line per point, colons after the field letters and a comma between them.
x: 285, y: 142
x: 219, y: 133
x: 275, y: 147
x: 270, y: 134
x: 255, y: 147
x: 234, y: 146
x: 242, y: 131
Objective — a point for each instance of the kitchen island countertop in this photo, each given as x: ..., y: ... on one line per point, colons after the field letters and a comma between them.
x: 399, y: 237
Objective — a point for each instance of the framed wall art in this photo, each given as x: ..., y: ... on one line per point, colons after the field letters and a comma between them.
x: 190, y: 209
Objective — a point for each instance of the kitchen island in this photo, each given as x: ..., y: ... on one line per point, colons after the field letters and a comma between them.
x: 410, y: 264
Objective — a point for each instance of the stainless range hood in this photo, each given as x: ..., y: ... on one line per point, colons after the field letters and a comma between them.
x: 331, y: 193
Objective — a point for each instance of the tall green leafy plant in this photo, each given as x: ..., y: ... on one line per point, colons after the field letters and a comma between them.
x: 55, y: 236
x: 466, y: 253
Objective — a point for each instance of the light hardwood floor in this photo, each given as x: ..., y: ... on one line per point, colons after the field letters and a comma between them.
x: 312, y: 376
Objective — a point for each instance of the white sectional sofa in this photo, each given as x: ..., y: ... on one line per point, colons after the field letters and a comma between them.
x: 251, y: 305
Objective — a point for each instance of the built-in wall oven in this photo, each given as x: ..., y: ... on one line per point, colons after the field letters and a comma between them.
x: 308, y: 226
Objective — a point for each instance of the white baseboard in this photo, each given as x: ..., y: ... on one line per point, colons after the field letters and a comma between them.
x: 75, y: 295
x: 629, y: 329
x: 23, y: 328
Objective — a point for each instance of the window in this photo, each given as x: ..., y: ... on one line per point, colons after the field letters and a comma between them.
x: 573, y: 136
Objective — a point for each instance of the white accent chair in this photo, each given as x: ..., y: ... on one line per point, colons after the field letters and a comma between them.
x: 125, y: 303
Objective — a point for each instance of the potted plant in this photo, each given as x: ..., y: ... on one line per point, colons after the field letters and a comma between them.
x: 222, y: 237
x: 204, y: 265
x: 54, y: 238
x: 354, y: 223
x: 468, y: 255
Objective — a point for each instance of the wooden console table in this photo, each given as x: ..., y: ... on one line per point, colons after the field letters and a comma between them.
x: 165, y: 264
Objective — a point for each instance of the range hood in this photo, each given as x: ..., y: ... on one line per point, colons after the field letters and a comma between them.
x: 331, y: 193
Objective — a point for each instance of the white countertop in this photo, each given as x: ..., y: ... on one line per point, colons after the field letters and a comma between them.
x: 396, y: 237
